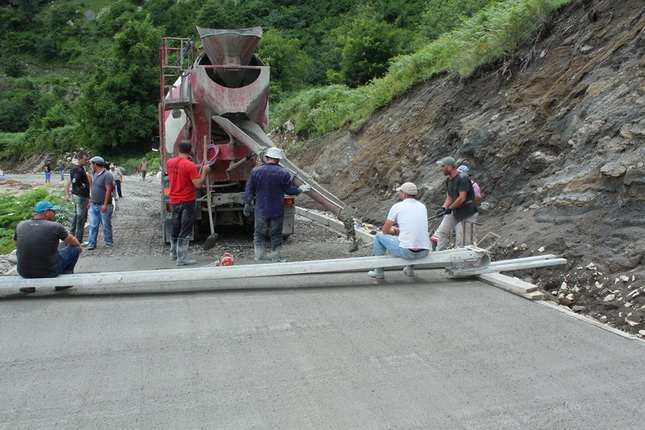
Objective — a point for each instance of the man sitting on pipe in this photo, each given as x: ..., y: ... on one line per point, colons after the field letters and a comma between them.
x: 410, y: 239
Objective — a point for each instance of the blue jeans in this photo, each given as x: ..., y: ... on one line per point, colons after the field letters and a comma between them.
x: 80, y: 216
x: 97, y: 218
x: 387, y: 242
x: 67, y: 258
x: 268, y: 227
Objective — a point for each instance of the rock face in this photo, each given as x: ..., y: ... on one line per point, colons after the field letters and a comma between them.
x: 554, y: 135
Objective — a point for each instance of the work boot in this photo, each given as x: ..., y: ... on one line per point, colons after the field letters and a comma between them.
x: 275, y: 254
x: 182, y: 253
x: 173, y: 248
x: 377, y: 273
x: 259, y: 251
x: 409, y: 270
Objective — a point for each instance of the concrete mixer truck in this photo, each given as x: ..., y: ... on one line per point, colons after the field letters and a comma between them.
x: 218, y: 99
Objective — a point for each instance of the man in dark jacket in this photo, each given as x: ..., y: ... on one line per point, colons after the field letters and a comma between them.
x: 267, y: 185
x: 79, y: 185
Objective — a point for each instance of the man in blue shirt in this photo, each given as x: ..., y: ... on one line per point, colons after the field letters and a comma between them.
x: 267, y: 185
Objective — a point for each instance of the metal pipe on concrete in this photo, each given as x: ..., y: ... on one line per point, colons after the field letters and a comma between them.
x: 470, y: 255
x: 504, y: 266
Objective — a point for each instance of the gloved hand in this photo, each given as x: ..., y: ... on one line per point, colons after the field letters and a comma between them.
x: 305, y: 188
x: 247, y: 210
x: 441, y: 211
x: 448, y: 211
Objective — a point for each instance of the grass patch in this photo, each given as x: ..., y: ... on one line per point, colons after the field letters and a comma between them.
x: 486, y: 36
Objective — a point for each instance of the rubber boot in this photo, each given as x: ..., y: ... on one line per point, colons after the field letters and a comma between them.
x: 377, y: 273
x: 182, y: 253
x: 173, y: 248
x: 259, y: 251
x: 275, y: 254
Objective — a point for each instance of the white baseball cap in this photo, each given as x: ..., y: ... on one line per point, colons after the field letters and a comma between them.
x: 408, y: 188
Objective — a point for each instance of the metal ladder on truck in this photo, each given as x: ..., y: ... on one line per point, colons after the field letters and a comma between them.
x: 176, y: 57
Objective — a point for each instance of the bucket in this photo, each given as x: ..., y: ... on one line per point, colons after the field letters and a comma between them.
x: 226, y: 260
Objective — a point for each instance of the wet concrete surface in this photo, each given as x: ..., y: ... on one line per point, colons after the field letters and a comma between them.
x: 299, y: 352
x: 331, y: 351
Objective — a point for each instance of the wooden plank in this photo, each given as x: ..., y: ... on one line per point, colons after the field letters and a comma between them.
x: 508, y: 283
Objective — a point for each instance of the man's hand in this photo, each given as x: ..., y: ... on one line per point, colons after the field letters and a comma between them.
x: 305, y: 188
x: 247, y: 210
x: 441, y: 211
x: 104, y: 208
x: 448, y: 211
x: 66, y: 198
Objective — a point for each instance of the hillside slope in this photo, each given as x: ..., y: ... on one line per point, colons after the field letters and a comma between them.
x: 555, y: 137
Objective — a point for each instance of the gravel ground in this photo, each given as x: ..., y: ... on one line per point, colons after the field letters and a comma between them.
x: 138, y: 234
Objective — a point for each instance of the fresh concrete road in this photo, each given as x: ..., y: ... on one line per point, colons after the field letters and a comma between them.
x: 335, y: 351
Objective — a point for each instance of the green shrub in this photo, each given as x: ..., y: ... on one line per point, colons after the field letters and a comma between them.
x: 489, y: 34
x: 11, y: 145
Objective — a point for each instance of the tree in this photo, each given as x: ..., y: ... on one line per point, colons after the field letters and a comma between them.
x: 367, y: 43
x: 290, y: 66
x: 223, y: 14
x: 118, y: 108
x: 441, y: 16
x: 21, y: 103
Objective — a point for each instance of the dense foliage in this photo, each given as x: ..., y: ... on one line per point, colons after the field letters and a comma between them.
x: 84, y: 73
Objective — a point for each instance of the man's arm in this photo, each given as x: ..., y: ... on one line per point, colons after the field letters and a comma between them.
x: 389, y: 228
x: 68, y: 183
x: 198, y: 182
x: 463, y: 195
x: 71, y: 240
x: 108, y: 197
x: 478, y: 193
x: 447, y: 202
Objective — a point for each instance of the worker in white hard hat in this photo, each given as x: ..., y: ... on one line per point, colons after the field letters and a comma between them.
x: 267, y: 186
x: 410, y: 239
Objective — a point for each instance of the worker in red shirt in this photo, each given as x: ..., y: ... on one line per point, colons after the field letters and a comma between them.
x: 184, y: 180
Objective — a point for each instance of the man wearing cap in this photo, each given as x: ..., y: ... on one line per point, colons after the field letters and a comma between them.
x: 267, y: 185
x: 100, y: 203
x: 37, y: 242
x: 118, y: 178
x: 459, y: 208
x: 79, y: 183
x: 184, y: 180
x: 410, y: 239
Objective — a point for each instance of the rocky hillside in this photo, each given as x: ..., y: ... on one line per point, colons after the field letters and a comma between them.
x: 554, y: 135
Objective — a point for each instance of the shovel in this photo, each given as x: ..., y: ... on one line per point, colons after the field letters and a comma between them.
x: 210, y: 241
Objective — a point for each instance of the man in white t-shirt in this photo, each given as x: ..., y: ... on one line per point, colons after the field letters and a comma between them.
x: 410, y: 239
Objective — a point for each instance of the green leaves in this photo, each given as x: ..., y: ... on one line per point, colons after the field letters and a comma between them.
x: 290, y: 65
x: 487, y: 35
x: 118, y: 107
